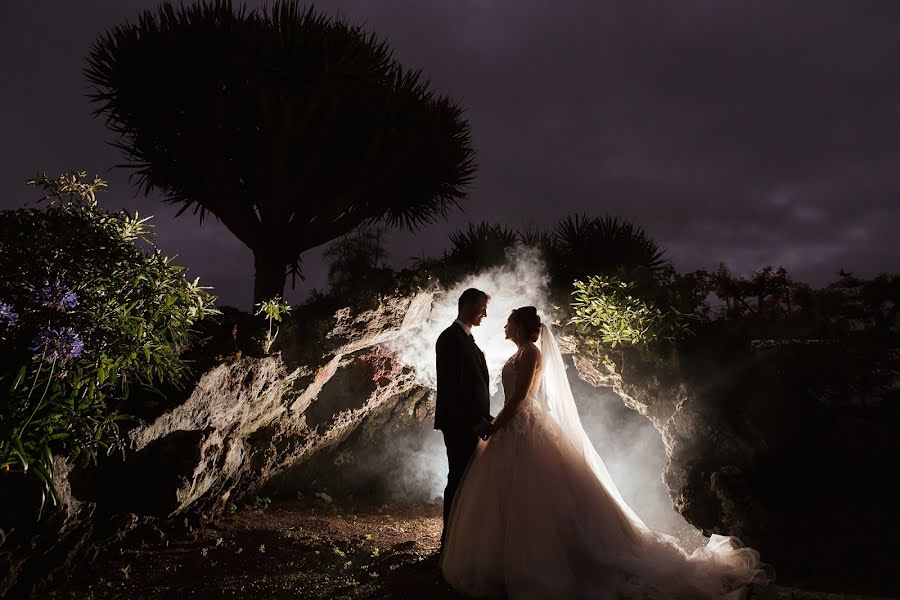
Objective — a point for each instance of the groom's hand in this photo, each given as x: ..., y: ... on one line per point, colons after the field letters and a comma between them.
x: 483, y: 429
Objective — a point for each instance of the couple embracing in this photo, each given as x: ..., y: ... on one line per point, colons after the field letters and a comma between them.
x: 530, y: 511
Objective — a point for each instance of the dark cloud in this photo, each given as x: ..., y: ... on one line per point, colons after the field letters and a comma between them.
x: 750, y: 132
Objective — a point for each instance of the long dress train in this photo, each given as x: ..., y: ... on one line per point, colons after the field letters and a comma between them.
x: 538, y: 517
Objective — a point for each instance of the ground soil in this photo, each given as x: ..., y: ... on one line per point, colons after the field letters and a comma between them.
x: 309, y: 549
x: 305, y: 549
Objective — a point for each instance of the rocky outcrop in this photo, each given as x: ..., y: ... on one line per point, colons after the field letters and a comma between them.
x: 760, y: 447
x: 247, y: 419
x: 755, y: 444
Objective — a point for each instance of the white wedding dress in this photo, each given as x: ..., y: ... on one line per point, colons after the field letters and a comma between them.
x: 538, y: 516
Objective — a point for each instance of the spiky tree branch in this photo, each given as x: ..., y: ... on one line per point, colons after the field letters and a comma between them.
x: 288, y: 126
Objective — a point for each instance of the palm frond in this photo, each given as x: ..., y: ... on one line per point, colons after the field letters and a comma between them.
x: 581, y: 246
x: 480, y: 245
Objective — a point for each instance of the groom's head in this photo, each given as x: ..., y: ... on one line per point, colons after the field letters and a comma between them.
x: 473, y: 307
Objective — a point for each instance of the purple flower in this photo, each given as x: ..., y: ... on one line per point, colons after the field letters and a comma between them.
x: 7, y: 314
x: 56, y: 295
x: 61, y: 344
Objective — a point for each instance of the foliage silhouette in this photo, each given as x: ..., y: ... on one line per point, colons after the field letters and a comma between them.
x: 288, y: 126
x: 577, y: 248
x: 480, y: 245
x: 582, y: 246
x: 356, y: 262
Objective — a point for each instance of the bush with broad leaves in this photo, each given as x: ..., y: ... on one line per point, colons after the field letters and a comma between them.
x: 85, y: 315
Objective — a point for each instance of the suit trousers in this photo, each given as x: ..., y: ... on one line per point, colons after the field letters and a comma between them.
x: 461, y: 446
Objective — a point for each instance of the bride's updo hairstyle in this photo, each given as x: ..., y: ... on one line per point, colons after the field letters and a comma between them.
x: 528, y: 321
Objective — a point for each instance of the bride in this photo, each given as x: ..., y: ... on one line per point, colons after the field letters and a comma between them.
x: 538, y: 516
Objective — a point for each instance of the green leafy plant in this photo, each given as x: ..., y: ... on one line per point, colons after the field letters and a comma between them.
x: 85, y: 315
x: 260, y: 502
x: 608, y: 306
x: 274, y: 309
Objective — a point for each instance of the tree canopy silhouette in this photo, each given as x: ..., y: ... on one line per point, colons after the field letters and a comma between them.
x: 480, y: 245
x: 581, y: 246
x: 290, y: 127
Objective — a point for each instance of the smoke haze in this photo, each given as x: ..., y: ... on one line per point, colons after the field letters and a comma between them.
x: 629, y: 444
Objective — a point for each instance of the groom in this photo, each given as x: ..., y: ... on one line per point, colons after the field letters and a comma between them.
x: 463, y: 406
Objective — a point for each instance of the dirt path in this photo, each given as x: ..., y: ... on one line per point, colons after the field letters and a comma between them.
x: 290, y: 550
x: 298, y: 550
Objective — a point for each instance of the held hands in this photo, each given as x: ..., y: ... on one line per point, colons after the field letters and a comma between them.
x: 485, y: 429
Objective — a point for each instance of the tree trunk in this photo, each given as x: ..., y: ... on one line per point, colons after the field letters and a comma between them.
x: 271, y: 271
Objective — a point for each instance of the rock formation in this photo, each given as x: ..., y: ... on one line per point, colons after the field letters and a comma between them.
x: 751, y: 450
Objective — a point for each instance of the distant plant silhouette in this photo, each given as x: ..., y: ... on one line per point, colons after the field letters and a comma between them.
x: 582, y: 246
x: 578, y: 247
x: 686, y: 293
x: 480, y: 245
x: 771, y: 290
x: 730, y: 290
x: 882, y: 298
x: 768, y: 292
x: 534, y: 237
x: 288, y: 126
x: 356, y: 260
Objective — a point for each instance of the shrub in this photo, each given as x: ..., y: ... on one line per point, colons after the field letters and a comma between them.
x: 85, y: 314
x: 609, y: 307
x: 273, y: 309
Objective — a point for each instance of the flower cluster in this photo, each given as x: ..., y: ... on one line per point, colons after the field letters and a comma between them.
x: 55, y: 295
x: 7, y: 315
x: 61, y: 343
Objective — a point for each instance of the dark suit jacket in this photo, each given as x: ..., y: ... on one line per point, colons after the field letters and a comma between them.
x: 463, y: 399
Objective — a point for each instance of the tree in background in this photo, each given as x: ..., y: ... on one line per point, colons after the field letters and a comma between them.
x: 289, y: 127
x: 770, y: 288
x: 731, y: 290
x: 356, y: 260
x: 480, y: 245
x: 578, y: 247
x: 582, y: 246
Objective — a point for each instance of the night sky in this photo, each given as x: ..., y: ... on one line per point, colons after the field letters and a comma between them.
x: 749, y: 132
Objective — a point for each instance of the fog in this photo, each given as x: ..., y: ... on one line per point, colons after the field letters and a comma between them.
x: 522, y: 281
x: 414, y: 461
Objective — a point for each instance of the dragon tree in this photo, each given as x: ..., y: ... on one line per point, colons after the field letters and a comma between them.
x: 288, y: 126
